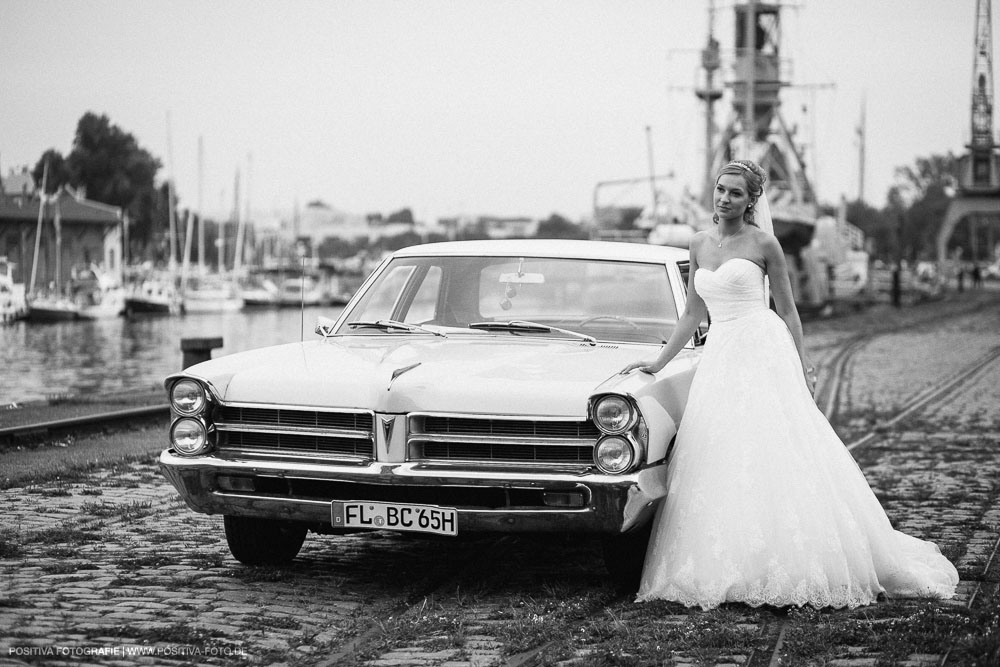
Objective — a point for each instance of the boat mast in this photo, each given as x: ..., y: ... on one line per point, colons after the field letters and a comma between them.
x: 38, y: 229
x: 172, y: 263
x: 236, y: 215
x: 201, y: 217
x: 242, y: 220
x: 188, y: 239
x: 861, y: 151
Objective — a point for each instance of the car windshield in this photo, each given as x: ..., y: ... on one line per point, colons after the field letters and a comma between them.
x: 519, y: 296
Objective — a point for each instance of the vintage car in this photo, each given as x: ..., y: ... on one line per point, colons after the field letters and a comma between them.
x: 466, y: 387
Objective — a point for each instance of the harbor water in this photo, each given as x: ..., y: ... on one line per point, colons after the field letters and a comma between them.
x: 38, y: 361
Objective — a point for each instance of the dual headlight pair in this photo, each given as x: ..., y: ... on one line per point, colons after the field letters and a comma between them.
x: 620, y: 449
x: 188, y: 433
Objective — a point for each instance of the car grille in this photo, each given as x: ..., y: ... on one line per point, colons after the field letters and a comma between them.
x: 436, y: 438
x: 279, y: 432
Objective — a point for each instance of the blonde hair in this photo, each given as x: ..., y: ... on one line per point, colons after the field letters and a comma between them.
x: 754, y: 177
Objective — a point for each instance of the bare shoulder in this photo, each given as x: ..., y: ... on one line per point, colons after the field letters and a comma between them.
x: 699, y: 236
x: 766, y: 243
x: 697, y: 239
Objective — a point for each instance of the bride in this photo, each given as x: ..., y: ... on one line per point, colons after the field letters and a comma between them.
x: 765, y: 504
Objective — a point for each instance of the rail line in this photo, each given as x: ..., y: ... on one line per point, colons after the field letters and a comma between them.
x: 70, y: 424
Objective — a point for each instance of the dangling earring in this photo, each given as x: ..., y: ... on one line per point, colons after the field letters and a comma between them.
x: 715, y: 218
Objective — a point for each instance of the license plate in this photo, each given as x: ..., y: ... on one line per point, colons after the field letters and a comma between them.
x: 395, y: 516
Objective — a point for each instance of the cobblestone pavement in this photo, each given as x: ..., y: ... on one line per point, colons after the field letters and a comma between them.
x: 109, y: 568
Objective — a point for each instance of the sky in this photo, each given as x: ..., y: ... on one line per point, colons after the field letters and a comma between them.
x: 467, y: 107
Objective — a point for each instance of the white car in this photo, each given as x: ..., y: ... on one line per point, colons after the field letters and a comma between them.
x: 467, y: 387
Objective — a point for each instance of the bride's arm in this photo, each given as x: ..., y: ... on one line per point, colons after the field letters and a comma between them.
x: 784, y: 303
x: 693, y: 316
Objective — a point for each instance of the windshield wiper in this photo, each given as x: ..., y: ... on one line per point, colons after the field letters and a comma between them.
x: 524, y: 325
x: 386, y: 325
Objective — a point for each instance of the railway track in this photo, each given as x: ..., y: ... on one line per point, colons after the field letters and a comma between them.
x: 97, y: 421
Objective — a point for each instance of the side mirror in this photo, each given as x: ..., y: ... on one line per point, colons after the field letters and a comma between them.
x: 325, y: 326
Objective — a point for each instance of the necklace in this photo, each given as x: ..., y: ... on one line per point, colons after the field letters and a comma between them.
x: 723, y: 238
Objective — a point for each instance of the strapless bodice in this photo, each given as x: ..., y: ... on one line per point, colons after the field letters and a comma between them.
x: 733, y: 290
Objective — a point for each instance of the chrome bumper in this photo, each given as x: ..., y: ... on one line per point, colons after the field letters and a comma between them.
x: 610, y: 503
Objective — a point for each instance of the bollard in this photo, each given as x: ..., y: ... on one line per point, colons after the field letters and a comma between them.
x: 197, y: 350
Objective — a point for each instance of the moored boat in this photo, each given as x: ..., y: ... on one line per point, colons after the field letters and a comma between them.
x: 154, y: 296
x: 211, y: 294
x: 301, y: 291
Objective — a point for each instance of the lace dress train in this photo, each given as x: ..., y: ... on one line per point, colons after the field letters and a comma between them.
x: 765, y: 504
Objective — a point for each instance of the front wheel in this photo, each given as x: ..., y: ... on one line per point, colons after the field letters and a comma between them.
x: 624, y: 556
x: 255, y: 541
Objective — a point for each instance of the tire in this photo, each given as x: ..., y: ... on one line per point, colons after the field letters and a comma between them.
x: 624, y: 556
x: 263, y: 541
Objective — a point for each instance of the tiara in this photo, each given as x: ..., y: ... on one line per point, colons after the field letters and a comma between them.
x: 742, y: 166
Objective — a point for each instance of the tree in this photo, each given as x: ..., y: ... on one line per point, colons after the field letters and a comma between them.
x: 109, y: 163
x: 404, y: 215
x: 59, y: 172
x: 929, y: 177
x: 921, y: 195
x: 558, y: 227
x: 877, y: 227
x: 112, y: 168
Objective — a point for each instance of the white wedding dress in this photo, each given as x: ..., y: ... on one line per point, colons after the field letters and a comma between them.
x: 765, y: 503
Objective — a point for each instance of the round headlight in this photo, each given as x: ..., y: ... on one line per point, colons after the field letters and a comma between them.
x: 614, y: 455
x: 187, y: 397
x: 614, y: 414
x: 188, y: 436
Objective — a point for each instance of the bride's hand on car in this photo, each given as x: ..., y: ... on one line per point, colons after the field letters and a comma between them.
x: 643, y: 365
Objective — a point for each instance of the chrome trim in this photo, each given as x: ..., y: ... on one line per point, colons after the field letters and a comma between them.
x: 480, y: 433
x: 533, y: 441
x: 497, y: 417
x: 365, y: 438
x: 292, y: 455
x: 509, y: 466
x: 615, y: 503
x: 298, y: 408
x: 256, y: 427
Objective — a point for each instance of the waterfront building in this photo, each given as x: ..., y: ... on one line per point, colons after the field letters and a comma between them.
x: 75, y: 231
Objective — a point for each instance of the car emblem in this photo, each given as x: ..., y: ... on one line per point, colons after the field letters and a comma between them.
x: 387, y: 424
x: 399, y: 371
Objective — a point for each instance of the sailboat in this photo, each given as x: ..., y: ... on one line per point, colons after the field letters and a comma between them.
x: 213, y: 293
x: 153, y: 293
x: 92, y: 292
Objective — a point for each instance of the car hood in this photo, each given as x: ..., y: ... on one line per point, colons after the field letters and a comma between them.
x: 468, y: 374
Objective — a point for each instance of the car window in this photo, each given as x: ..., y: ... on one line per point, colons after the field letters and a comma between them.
x: 609, y: 300
x: 379, y: 304
x: 575, y: 289
x: 424, y: 305
x: 606, y: 299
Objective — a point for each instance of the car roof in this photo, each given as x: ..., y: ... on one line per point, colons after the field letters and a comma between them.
x: 560, y: 248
